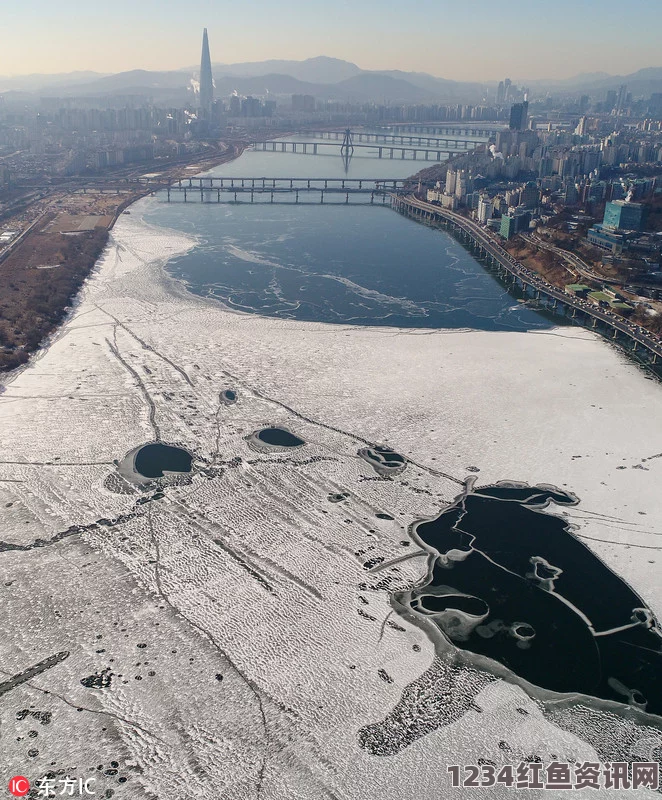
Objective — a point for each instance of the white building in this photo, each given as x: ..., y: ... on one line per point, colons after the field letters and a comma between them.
x: 485, y: 210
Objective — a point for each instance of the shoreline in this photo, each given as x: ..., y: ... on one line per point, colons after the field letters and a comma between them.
x: 38, y: 330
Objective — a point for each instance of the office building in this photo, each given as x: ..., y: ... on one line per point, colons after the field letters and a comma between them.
x: 621, y: 99
x: 621, y: 215
x: 518, y: 116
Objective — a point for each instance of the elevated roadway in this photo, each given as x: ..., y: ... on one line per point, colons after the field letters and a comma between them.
x: 639, y: 336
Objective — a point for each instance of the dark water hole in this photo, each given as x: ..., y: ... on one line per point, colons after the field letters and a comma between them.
x: 153, y: 460
x: 279, y: 437
x: 557, y: 615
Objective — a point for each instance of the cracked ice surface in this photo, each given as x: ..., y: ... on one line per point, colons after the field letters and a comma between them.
x: 247, y: 643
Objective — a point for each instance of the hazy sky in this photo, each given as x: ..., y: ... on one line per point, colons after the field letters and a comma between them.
x: 481, y: 40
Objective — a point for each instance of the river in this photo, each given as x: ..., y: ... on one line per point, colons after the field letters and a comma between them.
x: 334, y: 263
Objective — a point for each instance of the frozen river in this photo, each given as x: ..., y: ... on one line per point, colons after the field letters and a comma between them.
x: 264, y: 620
x: 360, y: 265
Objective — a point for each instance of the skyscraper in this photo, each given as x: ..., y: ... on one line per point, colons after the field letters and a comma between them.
x: 622, y: 99
x: 518, y: 115
x: 206, y: 81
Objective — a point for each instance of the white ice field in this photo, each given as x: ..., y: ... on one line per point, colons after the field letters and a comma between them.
x: 245, y: 645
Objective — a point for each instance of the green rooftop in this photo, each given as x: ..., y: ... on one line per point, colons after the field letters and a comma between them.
x: 601, y: 297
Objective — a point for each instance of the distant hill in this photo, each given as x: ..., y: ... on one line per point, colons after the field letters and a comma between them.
x: 380, y: 87
x: 363, y: 86
x: 123, y: 81
x: 28, y: 83
x: 323, y: 77
x: 321, y: 69
x: 643, y: 81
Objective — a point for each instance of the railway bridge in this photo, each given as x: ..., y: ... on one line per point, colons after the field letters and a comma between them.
x: 220, y: 189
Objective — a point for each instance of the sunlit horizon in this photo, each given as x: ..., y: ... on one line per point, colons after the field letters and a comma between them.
x: 477, y: 43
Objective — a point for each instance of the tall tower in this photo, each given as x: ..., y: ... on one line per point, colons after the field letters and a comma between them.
x: 206, y: 82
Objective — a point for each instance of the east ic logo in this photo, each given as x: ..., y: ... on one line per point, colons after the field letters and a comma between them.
x: 19, y: 786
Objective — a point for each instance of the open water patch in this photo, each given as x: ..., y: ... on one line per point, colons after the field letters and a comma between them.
x: 229, y: 397
x: 274, y: 439
x: 509, y: 583
x: 155, y: 461
x: 383, y: 460
x: 339, y: 265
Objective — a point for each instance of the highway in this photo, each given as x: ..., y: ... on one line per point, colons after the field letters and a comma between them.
x: 575, y: 262
x: 635, y: 332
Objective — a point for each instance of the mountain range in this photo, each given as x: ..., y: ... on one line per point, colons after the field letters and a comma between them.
x: 323, y: 77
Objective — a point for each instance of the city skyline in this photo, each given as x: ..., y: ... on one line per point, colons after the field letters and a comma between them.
x: 464, y: 44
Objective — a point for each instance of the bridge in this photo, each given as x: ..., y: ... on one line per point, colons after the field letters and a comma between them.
x: 236, y: 189
x: 499, y: 258
x: 394, y: 138
x: 447, y: 128
x: 383, y: 151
